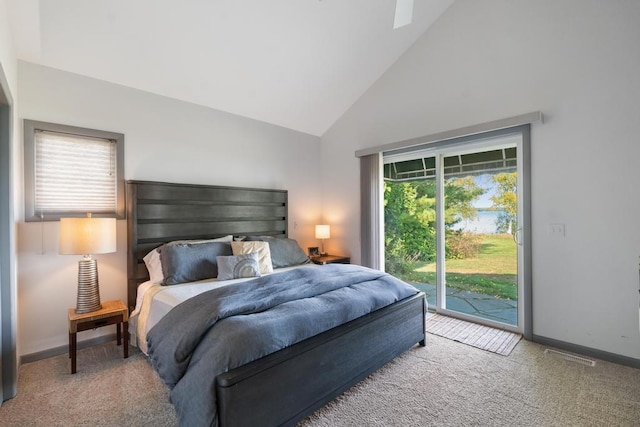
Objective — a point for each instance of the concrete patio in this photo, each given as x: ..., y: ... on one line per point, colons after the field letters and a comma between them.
x: 475, y: 304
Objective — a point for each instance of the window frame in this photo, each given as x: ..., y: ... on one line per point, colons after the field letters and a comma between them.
x: 30, y: 128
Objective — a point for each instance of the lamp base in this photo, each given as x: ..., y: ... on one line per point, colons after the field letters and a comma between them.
x: 88, y: 291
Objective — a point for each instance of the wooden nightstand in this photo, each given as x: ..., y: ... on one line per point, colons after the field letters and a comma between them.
x: 331, y: 259
x: 111, y: 313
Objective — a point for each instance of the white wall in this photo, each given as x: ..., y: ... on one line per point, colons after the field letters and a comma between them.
x: 7, y: 53
x: 577, y: 61
x: 165, y: 140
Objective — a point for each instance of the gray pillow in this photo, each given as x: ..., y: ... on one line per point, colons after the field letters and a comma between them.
x: 284, y: 252
x: 238, y: 266
x: 188, y: 262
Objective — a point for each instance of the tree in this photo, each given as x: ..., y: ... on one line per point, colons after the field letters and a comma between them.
x: 409, y: 225
x: 410, y: 216
x: 506, y: 200
x: 460, y: 194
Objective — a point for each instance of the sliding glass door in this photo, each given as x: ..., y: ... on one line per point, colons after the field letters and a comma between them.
x: 453, y: 226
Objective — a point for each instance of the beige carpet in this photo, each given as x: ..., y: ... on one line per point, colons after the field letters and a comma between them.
x: 107, y: 390
x: 443, y: 384
x: 480, y: 336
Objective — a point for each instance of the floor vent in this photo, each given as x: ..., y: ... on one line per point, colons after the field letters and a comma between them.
x: 571, y: 357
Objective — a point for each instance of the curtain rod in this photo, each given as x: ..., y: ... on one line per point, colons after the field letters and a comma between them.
x: 520, y: 120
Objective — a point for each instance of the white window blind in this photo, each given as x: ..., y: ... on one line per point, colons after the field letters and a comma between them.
x: 74, y: 173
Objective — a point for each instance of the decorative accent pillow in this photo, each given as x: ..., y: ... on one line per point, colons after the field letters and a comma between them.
x: 238, y: 266
x: 188, y: 262
x: 262, y: 248
x: 154, y: 264
x: 284, y: 252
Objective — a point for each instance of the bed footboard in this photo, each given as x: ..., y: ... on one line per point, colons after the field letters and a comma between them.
x: 285, y: 387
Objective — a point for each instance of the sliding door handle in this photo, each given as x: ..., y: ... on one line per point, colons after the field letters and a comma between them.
x: 517, y: 236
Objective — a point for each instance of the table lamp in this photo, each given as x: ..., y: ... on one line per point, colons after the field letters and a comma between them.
x: 86, y: 236
x: 322, y: 232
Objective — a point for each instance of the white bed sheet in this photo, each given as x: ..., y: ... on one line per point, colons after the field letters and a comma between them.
x: 154, y: 301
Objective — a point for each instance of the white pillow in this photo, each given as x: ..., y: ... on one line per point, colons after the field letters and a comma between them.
x: 238, y: 266
x: 154, y: 264
x: 262, y: 248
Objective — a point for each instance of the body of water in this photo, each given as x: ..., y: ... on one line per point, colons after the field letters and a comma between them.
x: 484, y: 223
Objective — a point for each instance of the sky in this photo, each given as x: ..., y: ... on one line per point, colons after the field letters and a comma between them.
x: 485, y: 182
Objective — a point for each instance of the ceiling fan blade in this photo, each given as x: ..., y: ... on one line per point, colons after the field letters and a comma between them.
x: 404, y: 13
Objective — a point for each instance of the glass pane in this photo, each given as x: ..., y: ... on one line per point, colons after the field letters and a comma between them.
x: 410, y: 225
x: 480, y: 224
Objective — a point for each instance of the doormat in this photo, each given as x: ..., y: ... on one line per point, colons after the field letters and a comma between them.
x: 473, y: 334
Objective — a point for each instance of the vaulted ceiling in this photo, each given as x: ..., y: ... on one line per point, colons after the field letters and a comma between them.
x: 294, y: 63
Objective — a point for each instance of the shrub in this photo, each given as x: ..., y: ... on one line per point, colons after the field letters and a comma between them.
x: 461, y: 245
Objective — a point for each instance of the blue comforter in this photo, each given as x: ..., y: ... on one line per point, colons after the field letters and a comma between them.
x: 228, y: 327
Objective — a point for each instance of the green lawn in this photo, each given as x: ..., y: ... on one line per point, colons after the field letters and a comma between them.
x: 492, y: 272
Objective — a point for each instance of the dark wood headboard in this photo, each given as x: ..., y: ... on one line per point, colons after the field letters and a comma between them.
x: 160, y: 212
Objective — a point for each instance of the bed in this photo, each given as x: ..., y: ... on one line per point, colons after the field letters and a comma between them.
x: 287, y: 385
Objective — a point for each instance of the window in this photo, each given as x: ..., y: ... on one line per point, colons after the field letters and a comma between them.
x: 72, y: 171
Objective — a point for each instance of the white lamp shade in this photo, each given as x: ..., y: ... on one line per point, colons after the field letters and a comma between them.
x: 85, y: 236
x: 323, y: 231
